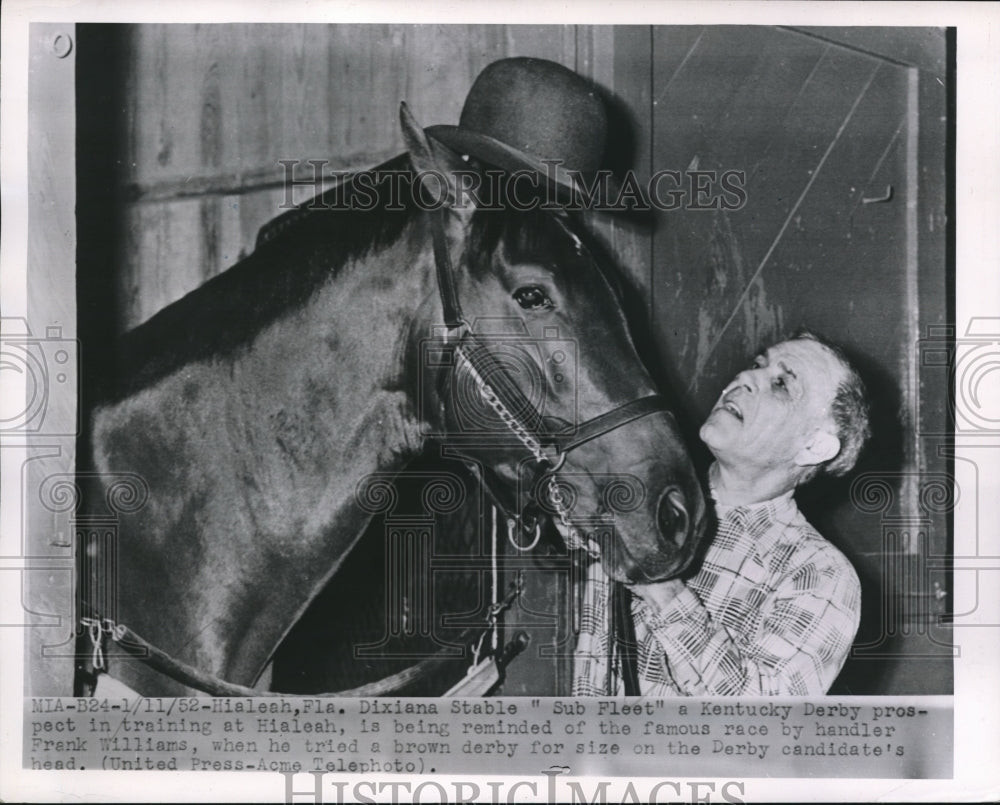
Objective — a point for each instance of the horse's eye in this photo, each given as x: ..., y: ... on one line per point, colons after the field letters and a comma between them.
x: 533, y: 297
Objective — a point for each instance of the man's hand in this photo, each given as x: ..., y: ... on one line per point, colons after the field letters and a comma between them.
x: 659, y: 595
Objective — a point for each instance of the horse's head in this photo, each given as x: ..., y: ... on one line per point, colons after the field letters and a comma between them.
x: 538, y: 361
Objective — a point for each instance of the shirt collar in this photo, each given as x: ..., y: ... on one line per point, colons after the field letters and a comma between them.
x: 756, y: 518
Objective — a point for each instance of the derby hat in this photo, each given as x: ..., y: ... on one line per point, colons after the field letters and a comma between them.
x: 532, y: 114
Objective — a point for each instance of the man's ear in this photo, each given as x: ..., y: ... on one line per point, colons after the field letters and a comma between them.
x: 436, y: 164
x: 823, y: 446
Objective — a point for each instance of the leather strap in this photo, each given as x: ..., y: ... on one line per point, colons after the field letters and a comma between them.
x: 445, y: 274
x: 613, y: 419
x: 188, y: 675
x: 623, y: 643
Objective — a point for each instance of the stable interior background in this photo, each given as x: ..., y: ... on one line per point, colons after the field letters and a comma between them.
x: 843, y: 136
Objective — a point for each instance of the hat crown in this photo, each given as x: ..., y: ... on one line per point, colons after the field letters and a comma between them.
x: 541, y: 108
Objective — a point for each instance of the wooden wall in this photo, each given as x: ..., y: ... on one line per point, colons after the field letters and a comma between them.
x: 40, y: 553
x: 211, y: 109
x: 843, y: 148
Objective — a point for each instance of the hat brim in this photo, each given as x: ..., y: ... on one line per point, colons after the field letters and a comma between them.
x: 492, y: 151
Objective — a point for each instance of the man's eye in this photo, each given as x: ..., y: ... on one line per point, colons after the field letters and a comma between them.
x: 779, y: 383
x: 533, y: 297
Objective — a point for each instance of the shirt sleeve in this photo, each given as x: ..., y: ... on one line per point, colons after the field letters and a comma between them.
x: 808, y: 625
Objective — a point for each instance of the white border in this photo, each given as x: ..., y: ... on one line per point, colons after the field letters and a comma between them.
x: 977, y: 683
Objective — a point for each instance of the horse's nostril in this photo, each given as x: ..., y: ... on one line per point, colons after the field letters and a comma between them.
x: 672, y: 516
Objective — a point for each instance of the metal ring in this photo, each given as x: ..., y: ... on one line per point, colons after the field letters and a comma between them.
x: 561, y: 459
x: 511, y: 524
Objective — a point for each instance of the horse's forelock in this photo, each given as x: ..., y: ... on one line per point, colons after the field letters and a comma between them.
x: 535, y: 235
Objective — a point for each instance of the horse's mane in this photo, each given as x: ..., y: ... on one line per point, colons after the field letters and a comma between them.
x: 295, y: 254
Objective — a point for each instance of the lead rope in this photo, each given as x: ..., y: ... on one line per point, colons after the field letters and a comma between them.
x: 496, y: 607
x: 494, y: 580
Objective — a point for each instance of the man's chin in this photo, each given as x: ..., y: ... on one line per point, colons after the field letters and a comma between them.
x: 714, y: 432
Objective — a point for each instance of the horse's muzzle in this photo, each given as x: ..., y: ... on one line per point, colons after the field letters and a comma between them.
x: 672, y: 518
x: 680, y: 532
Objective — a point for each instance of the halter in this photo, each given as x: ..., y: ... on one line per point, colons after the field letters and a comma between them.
x: 507, y: 400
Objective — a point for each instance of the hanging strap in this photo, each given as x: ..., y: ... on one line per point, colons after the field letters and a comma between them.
x: 445, y: 274
x: 192, y: 677
x: 623, y: 642
x: 180, y: 671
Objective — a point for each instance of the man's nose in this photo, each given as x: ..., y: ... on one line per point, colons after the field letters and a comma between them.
x: 745, y: 379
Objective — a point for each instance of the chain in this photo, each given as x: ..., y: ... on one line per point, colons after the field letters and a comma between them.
x: 559, y: 502
x: 574, y: 537
x: 529, y: 441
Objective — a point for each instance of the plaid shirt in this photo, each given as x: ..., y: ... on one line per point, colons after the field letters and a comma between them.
x: 772, y: 611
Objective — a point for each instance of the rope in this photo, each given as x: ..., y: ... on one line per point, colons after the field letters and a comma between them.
x: 495, y: 581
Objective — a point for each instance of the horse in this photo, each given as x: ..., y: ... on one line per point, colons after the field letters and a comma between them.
x: 253, y: 411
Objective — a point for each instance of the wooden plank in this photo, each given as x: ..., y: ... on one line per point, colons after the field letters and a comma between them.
x: 923, y: 48
x: 164, y: 64
x: 630, y: 140
x: 47, y: 545
x: 213, y: 182
x: 266, y: 90
x: 298, y: 92
x: 715, y: 253
x: 163, y: 258
x: 369, y: 62
x: 557, y: 43
x: 936, y: 285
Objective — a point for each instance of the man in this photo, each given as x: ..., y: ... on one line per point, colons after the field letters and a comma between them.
x: 773, y: 608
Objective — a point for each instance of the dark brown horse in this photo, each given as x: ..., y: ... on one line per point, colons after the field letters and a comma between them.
x: 254, y: 407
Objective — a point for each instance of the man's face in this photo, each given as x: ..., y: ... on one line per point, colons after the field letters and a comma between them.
x: 770, y: 412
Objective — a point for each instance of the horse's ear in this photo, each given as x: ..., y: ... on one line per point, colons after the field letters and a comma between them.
x: 434, y: 164
x: 414, y: 137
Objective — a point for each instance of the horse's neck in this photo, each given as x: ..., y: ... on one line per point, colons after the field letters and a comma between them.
x: 253, y: 462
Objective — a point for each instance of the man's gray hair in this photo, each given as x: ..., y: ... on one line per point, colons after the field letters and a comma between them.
x: 850, y: 411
